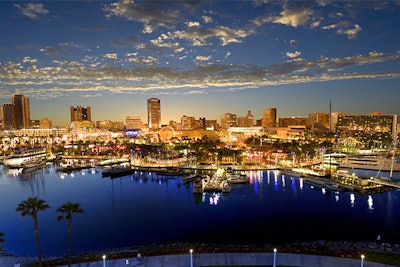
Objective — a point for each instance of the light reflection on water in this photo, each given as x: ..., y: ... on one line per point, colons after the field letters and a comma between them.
x: 144, y: 208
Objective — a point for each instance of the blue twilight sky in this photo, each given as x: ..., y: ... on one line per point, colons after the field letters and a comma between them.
x: 200, y: 58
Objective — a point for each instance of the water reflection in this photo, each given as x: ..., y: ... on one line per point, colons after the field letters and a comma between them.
x: 370, y: 203
x: 352, y: 200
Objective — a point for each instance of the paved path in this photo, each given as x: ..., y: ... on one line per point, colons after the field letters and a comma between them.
x: 220, y: 259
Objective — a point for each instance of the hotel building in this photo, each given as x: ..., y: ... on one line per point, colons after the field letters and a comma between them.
x: 154, y: 113
x: 80, y: 113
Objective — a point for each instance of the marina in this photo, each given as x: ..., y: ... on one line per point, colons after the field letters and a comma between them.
x: 143, y: 208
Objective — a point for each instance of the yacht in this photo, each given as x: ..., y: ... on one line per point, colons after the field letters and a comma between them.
x: 376, y: 163
x: 18, y: 158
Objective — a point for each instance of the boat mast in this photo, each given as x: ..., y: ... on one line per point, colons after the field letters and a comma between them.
x: 330, y: 130
x: 394, y: 145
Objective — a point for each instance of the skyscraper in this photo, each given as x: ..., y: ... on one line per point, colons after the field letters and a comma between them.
x: 8, y: 116
x: 269, y: 117
x: 22, y: 111
x: 154, y: 113
x: 80, y: 113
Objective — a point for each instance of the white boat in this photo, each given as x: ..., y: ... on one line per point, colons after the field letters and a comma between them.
x: 236, y: 178
x: 376, y: 163
x: 334, y: 158
x: 17, y: 159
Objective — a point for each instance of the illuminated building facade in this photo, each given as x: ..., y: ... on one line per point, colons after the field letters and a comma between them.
x: 269, y: 117
x: 228, y: 120
x: 80, y: 113
x: 133, y: 122
x: 293, y: 121
x: 153, y: 113
x: 375, y: 130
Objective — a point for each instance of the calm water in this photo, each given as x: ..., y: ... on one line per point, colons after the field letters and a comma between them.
x: 141, y: 209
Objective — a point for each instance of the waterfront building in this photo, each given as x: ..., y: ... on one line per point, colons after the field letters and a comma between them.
x: 374, y: 130
x: 133, y: 122
x: 228, y: 120
x: 22, y: 111
x: 242, y: 133
x: 80, y: 113
x: 154, y: 113
x: 293, y: 121
x: 247, y: 121
x: 269, y: 118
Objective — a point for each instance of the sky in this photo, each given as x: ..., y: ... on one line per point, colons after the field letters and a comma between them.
x: 200, y: 58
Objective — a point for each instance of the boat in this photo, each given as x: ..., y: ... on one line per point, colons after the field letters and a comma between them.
x: 115, y: 172
x: 198, y: 186
x: 334, y: 158
x: 311, y: 172
x: 30, y: 166
x: 236, y: 178
x: 18, y: 158
x: 190, y: 177
x: 371, y: 162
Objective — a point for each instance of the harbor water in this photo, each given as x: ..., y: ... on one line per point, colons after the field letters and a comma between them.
x: 144, y: 208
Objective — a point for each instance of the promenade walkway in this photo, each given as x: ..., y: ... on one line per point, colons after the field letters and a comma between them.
x: 219, y: 259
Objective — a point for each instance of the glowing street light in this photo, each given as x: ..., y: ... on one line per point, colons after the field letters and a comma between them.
x: 274, y: 265
x: 104, y: 260
x: 362, y: 260
x: 191, y: 257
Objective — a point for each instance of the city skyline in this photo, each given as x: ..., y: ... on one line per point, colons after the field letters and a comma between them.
x: 200, y: 59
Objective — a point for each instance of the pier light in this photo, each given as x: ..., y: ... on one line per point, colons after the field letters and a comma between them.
x: 362, y: 260
x: 191, y: 257
x: 104, y: 260
x: 274, y: 265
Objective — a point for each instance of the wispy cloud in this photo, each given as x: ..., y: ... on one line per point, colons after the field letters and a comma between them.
x: 32, y: 10
x: 67, y: 77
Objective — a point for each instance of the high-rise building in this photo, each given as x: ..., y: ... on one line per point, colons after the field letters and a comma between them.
x: 228, y: 120
x: 22, y: 111
x: 8, y: 116
x: 269, y: 117
x: 80, y: 113
x: 153, y: 113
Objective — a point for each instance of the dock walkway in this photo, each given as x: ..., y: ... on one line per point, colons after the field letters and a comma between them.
x: 220, y: 259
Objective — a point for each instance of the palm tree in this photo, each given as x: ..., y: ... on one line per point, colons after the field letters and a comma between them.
x: 2, y: 239
x: 66, y: 211
x: 31, y: 207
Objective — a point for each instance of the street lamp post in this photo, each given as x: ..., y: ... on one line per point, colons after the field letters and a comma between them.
x: 274, y: 265
x: 191, y: 257
x: 362, y: 260
x: 104, y: 260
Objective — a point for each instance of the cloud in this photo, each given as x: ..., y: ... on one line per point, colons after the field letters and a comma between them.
x: 351, y: 33
x: 32, y: 10
x: 111, y: 56
x: 294, y: 16
x: 149, y: 13
x: 207, y: 19
x: 64, y: 77
x: 293, y: 55
x: 203, y: 58
x: 192, y: 24
x: 202, y: 36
